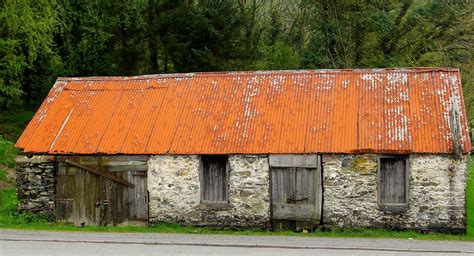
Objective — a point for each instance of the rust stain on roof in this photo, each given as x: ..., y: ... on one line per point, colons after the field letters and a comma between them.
x: 338, y: 111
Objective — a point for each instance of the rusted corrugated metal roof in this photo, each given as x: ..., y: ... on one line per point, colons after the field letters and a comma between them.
x: 341, y: 111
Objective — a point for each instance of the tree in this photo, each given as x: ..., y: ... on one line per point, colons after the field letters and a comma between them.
x: 41, y: 40
x: 207, y: 36
x: 26, y: 48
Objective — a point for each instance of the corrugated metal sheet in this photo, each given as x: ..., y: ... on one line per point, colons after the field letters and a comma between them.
x: 341, y: 111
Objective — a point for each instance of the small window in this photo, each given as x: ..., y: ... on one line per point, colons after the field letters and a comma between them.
x: 393, y: 181
x: 214, y: 185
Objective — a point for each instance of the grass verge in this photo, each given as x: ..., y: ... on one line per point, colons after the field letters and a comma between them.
x: 178, y: 229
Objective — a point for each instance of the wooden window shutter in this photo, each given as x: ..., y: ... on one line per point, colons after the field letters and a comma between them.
x: 214, y: 179
x: 393, y: 182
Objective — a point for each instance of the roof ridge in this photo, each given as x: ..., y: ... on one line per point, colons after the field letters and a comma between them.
x: 258, y: 72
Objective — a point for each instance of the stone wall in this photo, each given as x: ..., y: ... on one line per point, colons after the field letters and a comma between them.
x: 174, y: 190
x: 36, y: 184
x: 436, y: 193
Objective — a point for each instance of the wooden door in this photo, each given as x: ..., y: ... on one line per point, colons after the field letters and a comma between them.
x: 296, y: 192
x: 127, y: 204
x: 77, y: 192
x: 101, y: 194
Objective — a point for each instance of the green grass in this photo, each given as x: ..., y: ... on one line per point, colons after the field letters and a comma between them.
x: 3, y: 175
x: 8, y: 205
x: 174, y: 228
x: 9, y: 216
x: 7, y: 152
x: 470, y: 199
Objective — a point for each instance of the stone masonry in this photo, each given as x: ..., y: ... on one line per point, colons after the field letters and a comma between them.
x: 36, y: 184
x: 174, y: 189
x: 436, y: 193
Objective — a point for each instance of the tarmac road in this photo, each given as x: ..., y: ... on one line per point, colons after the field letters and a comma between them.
x: 14, y: 242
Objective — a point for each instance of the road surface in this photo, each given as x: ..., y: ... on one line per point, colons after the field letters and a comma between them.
x: 14, y: 242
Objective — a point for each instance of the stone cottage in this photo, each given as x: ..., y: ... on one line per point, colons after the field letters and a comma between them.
x: 297, y: 149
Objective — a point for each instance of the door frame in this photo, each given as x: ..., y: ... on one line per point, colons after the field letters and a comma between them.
x: 311, y: 161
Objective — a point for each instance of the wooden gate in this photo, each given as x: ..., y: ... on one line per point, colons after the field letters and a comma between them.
x: 296, y: 191
x: 102, y: 190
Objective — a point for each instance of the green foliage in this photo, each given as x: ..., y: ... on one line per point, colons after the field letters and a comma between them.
x: 9, y: 215
x: 41, y: 40
x: 3, y: 175
x: 7, y: 152
x: 470, y: 199
x: 204, y: 37
x: 26, y: 48
x: 8, y: 203
x: 13, y: 122
x: 277, y: 57
x: 397, y: 33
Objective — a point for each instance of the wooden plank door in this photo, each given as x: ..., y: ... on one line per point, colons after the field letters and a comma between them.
x: 138, y: 197
x: 77, y: 194
x: 296, y: 195
x: 127, y: 204
x: 86, y: 198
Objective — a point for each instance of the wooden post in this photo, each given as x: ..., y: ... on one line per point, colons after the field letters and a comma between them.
x: 456, y: 132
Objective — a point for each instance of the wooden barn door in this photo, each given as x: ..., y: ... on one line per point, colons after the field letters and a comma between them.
x: 77, y: 192
x: 91, y: 191
x: 296, y: 191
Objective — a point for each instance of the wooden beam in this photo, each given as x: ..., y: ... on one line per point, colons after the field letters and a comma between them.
x: 111, y: 163
x: 288, y: 160
x: 107, y: 175
x: 297, y: 212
